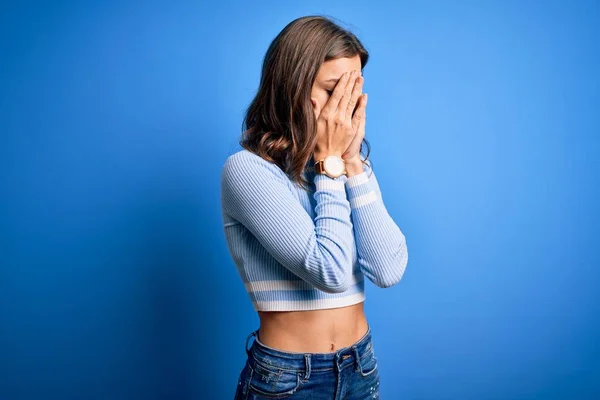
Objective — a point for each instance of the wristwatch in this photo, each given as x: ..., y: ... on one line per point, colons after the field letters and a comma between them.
x: 332, y: 166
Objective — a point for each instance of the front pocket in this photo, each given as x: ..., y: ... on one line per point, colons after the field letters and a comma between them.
x: 272, y: 382
x: 368, y: 362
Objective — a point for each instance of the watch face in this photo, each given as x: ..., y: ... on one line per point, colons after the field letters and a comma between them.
x: 333, y: 165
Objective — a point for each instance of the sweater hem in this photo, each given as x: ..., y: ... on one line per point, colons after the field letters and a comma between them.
x: 309, y: 305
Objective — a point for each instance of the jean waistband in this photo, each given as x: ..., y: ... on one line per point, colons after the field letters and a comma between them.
x: 298, y: 361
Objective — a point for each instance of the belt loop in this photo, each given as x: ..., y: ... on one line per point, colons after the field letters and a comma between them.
x: 248, y: 340
x: 356, y: 359
x: 307, y: 369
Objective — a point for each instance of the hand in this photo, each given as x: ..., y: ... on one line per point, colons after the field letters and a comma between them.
x: 336, y: 127
x: 352, y: 153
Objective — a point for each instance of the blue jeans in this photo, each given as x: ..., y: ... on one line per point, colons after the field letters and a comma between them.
x: 349, y: 374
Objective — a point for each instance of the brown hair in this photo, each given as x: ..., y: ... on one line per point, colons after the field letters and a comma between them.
x: 280, y: 124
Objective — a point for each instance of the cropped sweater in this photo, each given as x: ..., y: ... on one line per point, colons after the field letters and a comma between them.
x: 305, y: 250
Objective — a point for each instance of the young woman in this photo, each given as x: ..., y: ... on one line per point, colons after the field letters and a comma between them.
x: 305, y: 221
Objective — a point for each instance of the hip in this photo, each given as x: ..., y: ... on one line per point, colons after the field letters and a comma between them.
x: 349, y: 373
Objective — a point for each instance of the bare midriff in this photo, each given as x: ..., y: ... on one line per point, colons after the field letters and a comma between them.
x: 315, y: 331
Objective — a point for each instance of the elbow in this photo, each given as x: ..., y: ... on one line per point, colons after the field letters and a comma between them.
x: 335, y: 289
x: 389, y: 280
x: 334, y: 272
x: 393, y: 275
x: 337, y: 285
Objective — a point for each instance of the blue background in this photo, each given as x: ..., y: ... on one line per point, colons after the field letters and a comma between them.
x: 115, y: 119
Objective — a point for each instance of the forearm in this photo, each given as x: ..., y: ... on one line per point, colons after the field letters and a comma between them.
x: 381, y: 245
x: 254, y: 192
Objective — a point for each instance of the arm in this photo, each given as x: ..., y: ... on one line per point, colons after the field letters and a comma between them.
x: 381, y: 245
x: 255, y: 193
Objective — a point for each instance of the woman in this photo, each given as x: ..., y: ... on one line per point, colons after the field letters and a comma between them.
x: 305, y: 221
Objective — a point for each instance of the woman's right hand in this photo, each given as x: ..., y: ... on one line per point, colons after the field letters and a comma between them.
x: 336, y: 125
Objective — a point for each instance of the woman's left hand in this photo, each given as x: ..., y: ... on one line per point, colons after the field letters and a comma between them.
x: 352, y: 153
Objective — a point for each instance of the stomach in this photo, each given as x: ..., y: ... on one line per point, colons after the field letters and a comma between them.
x: 314, y: 331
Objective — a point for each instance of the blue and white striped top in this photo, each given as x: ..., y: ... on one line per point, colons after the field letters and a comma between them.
x: 306, y: 250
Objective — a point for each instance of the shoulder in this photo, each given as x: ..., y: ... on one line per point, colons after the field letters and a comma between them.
x: 249, y: 166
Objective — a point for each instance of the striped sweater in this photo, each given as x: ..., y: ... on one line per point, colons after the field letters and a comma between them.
x: 306, y: 250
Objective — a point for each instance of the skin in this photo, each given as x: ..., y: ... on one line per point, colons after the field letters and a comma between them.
x: 328, y: 330
x: 325, y: 82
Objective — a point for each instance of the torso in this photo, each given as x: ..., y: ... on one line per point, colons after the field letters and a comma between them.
x: 316, y: 331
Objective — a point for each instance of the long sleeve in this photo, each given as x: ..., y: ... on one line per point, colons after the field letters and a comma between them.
x: 381, y: 245
x: 254, y: 192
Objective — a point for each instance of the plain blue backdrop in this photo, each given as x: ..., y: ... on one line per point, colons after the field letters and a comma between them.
x: 116, y: 117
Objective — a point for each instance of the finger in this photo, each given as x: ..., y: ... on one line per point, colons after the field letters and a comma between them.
x: 343, y: 105
x: 360, y: 114
x: 337, y: 94
x: 360, y: 132
x: 356, y: 92
x: 354, y: 144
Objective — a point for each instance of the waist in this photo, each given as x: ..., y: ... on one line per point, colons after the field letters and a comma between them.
x: 315, y: 331
x: 294, y: 361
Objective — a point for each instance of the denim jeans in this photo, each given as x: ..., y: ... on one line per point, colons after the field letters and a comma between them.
x: 349, y: 374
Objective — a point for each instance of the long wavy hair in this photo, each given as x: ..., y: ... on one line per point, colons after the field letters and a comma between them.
x: 279, y: 124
